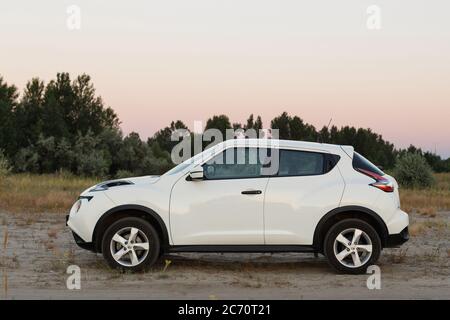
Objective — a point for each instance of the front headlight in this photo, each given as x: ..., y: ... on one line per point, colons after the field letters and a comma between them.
x: 77, y: 205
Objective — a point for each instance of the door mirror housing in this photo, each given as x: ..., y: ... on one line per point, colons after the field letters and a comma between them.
x: 196, y: 174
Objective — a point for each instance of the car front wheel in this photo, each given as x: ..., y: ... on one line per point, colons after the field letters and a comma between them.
x: 351, y: 246
x: 131, y: 244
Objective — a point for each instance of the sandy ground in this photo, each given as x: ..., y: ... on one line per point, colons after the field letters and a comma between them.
x: 37, y: 249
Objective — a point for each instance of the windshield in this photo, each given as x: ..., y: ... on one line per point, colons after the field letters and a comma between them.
x: 195, y: 160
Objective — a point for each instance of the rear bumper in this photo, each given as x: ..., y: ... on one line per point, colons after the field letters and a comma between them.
x: 396, y: 240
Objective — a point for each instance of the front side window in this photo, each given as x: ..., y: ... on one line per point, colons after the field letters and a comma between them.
x: 235, y: 163
x: 300, y: 163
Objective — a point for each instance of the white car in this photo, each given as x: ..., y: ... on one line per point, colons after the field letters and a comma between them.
x: 245, y: 195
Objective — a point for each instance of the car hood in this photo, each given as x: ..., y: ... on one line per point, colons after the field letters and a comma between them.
x: 140, y: 180
x: 123, y: 182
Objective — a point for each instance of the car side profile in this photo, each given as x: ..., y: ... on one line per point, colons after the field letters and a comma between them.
x: 247, y: 195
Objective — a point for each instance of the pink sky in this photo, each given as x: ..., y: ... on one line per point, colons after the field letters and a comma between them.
x: 156, y: 61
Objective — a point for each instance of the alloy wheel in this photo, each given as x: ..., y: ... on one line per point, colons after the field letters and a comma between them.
x: 352, y: 248
x: 129, y: 246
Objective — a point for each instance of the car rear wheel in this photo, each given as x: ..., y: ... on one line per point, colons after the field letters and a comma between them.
x: 351, y: 246
x: 131, y: 244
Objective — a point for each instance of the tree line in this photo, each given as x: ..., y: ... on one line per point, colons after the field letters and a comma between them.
x: 64, y: 126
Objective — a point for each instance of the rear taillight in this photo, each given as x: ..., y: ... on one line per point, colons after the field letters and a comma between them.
x: 380, y: 182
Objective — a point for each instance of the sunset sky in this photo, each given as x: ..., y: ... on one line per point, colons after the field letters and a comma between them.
x: 158, y: 61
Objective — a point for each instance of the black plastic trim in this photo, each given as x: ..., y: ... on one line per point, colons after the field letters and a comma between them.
x: 396, y: 240
x: 88, y: 198
x: 251, y: 192
x: 165, y: 234
x: 384, y: 230
x: 110, y: 184
x: 241, y: 248
x: 83, y: 244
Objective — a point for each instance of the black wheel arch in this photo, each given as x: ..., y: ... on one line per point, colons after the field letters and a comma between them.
x: 345, y: 212
x: 122, y: 211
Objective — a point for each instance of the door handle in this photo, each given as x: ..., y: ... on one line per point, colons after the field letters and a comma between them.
x: 251, y: 192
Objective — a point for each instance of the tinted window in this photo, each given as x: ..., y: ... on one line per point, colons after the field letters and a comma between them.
x: 234, y: 163
x: 300, y: 163
x: 331, y: 161
x: 359, y: 162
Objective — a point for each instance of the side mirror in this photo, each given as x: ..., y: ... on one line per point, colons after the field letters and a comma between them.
x: 196, y: 174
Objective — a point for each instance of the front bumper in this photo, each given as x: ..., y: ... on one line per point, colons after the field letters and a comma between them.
x: 80, y: 242
x: 396, y: 240
x: 83, y: 244
x: 84, y: 216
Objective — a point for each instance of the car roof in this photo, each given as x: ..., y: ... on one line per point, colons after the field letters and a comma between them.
x: 290, y: 144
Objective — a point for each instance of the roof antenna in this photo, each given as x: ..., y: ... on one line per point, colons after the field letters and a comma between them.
x: 328, y: 126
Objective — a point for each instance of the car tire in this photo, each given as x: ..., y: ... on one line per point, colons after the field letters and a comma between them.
x: 352, y: 245
x: 131, y: 244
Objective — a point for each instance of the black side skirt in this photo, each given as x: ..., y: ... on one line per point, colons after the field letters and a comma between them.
x: 241, y: 248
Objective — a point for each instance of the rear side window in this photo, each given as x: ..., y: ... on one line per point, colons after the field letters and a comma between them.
x: 301, y: 163
x: 359, y: 162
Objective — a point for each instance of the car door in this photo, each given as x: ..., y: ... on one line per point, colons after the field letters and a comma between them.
x: 306, y: 187
x: 226, y: 207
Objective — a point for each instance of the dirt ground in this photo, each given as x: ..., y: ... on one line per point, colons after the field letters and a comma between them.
x: 37, y: 249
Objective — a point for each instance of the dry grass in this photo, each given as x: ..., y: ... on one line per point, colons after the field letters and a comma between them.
x: 419, y: 227
x: 397, y: 256
x: 57, y: 192
x: 52, y: 233
x: 428, y: 201
x: 416, y: 229
x: 5, y: 239
x: 41, y: 193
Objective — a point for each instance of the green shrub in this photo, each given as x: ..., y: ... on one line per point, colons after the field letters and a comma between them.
x: 123, y: 174
x: 93, y: 164
x: 89, y: 159
x: 26, y: 160
x: 413, y: 171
